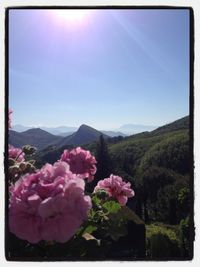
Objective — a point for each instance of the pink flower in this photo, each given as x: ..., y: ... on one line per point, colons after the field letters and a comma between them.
x: 81, y: 162
x: 15, y: 153
x: 9, y: 118
x: 48, y: 205
x: 116, y: 188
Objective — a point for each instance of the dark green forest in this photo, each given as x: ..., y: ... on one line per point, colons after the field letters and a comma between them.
x: 159, y: 166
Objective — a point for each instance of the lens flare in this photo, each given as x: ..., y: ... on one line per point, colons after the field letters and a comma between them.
x: 71, y: 15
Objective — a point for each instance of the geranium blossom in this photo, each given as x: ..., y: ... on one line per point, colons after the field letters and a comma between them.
x: 116, y: 188
x: 48, y: 205
x: 81, y: 162
x: 15, y: 153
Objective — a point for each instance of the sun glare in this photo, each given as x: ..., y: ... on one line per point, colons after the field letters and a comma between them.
x: 71, y: 15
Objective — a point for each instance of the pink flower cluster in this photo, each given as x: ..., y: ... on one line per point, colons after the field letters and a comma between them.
x: 15, y: 153
x: 116, y: 188
x: 48, y: 205
x: 9, y: 118
x: 81, y: 162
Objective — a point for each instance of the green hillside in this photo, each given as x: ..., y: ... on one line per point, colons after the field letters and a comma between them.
x: 170, y: 150
x: 158, y: 165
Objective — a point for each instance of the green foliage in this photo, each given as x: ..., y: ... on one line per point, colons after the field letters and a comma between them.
x: 104, y: 163
x: 157, y: 165
x: 103, y: 159
x: 106, y: 225
x: 162, y: 241
x: 185, y: 235
x: 106, y: 217
x: 108, y: 221
x: 111, y: 206
x: 173, y: 202
x: 184, y: 202
x: 171, y: 152
x: 89, y: 229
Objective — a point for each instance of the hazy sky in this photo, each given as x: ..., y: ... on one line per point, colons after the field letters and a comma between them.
x: 103, y: 68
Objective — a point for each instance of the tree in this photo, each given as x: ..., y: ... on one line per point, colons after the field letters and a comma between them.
x: 104, y: 165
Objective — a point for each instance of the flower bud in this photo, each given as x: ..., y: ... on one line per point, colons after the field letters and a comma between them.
x: 32, y: 161
x: 11, y: 162
x: 13, y: 170
x: 28, y: 150
x: 101, y: 193
x: 22, y: 166
x: 32, y: 149
x: 28, y: 166
x: 32, y: 168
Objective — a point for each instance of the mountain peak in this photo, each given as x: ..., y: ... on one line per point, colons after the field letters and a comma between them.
x: 83, y: 125
x: 34, y: 137
x: 86, y: 127
x: 85, y: 134
x: 36, y: 131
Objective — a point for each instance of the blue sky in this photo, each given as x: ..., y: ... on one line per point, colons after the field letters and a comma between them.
x: 103, y: 68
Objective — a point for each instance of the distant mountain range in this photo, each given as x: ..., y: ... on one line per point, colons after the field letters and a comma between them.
x: 85, y: 134
x: 130, y: 147
x: 124, y: 130
x: 113, y: 133
x: 41, y: 139
x: 60, y: 130
x: 130, y: 129
x: 35, y: 137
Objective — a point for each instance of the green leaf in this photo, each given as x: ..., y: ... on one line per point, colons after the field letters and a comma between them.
x: 90, y: 229
x: 96, y: 200
x: 111, y: 206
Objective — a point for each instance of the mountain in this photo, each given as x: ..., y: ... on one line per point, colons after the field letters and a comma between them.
x: 85, y: 134
x: 20, y: 128
x: 126, y: 152
x: 60, y: 130
x: 124, y: 130
x: 145, y: 140
x: 16, y: 139
x: 35, y: 137
x: 179, y: 124
x: 132, y: 129
x: 135, y: 128
x: 42, y: 139
x: 113, y: 133
x: 65, y: 134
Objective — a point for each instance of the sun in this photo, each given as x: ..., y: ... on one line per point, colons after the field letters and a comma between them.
x: 71, y: 15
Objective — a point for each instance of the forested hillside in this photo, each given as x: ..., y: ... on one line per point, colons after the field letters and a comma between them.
x: 158, y: 166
